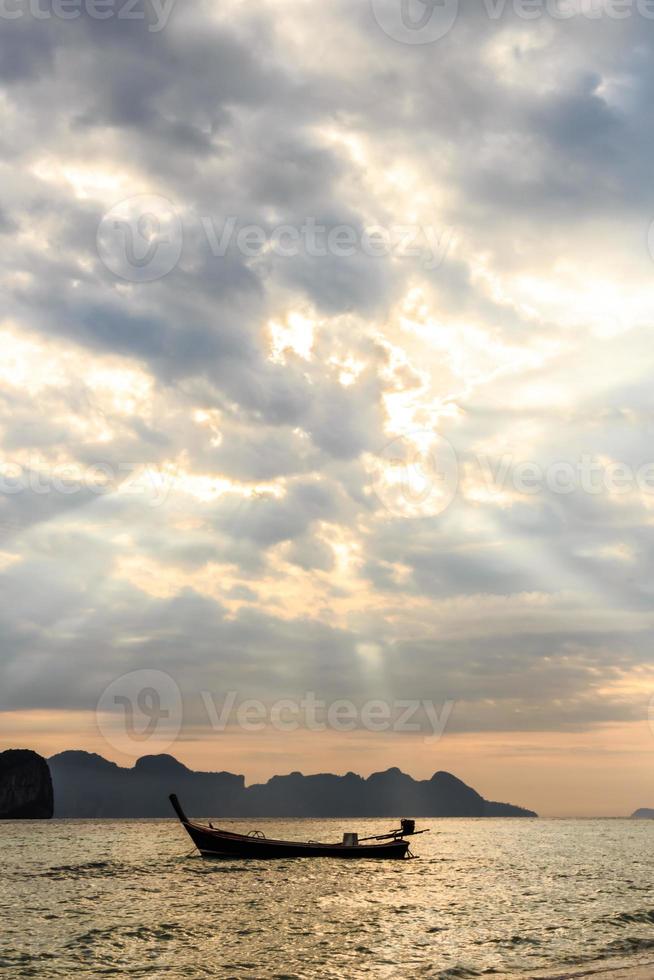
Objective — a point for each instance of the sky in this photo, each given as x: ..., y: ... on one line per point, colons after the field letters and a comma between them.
x: 325, y: 353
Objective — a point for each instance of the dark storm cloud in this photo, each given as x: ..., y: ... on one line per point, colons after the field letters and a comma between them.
x: 261, y: 455
x: 311, y: 554
x: 219, y: 653
x: 266, y: 520
x: 26, y: 54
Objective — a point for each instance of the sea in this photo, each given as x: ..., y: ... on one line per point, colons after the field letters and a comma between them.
x: 483, y: 898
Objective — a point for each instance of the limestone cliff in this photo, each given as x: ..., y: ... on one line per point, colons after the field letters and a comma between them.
x: 25, y: 786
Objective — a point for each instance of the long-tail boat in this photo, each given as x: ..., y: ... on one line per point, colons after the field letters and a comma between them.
x: 212, y: 842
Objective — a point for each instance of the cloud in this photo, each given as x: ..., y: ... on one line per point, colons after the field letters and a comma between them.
x: 236, y: 408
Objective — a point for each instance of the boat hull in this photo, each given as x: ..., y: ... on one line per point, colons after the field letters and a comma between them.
x: 222, y: 844
x: 212, y: 842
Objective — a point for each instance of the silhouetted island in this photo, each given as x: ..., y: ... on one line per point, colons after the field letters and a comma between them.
x: 87, y: 785
x: 25, y: 786
x: 643, y: 814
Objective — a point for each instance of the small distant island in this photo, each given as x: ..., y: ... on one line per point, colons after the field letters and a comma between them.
x: 643, y: 814
x: 87, y: 785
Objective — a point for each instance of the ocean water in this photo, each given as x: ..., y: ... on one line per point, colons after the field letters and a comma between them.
x: 485, y: 898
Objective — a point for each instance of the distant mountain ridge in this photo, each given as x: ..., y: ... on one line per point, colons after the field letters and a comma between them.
x: 87, y: 785
x: 643, y: 814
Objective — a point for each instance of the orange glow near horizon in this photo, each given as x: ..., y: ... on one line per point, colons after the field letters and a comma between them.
x: 604, y: 772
